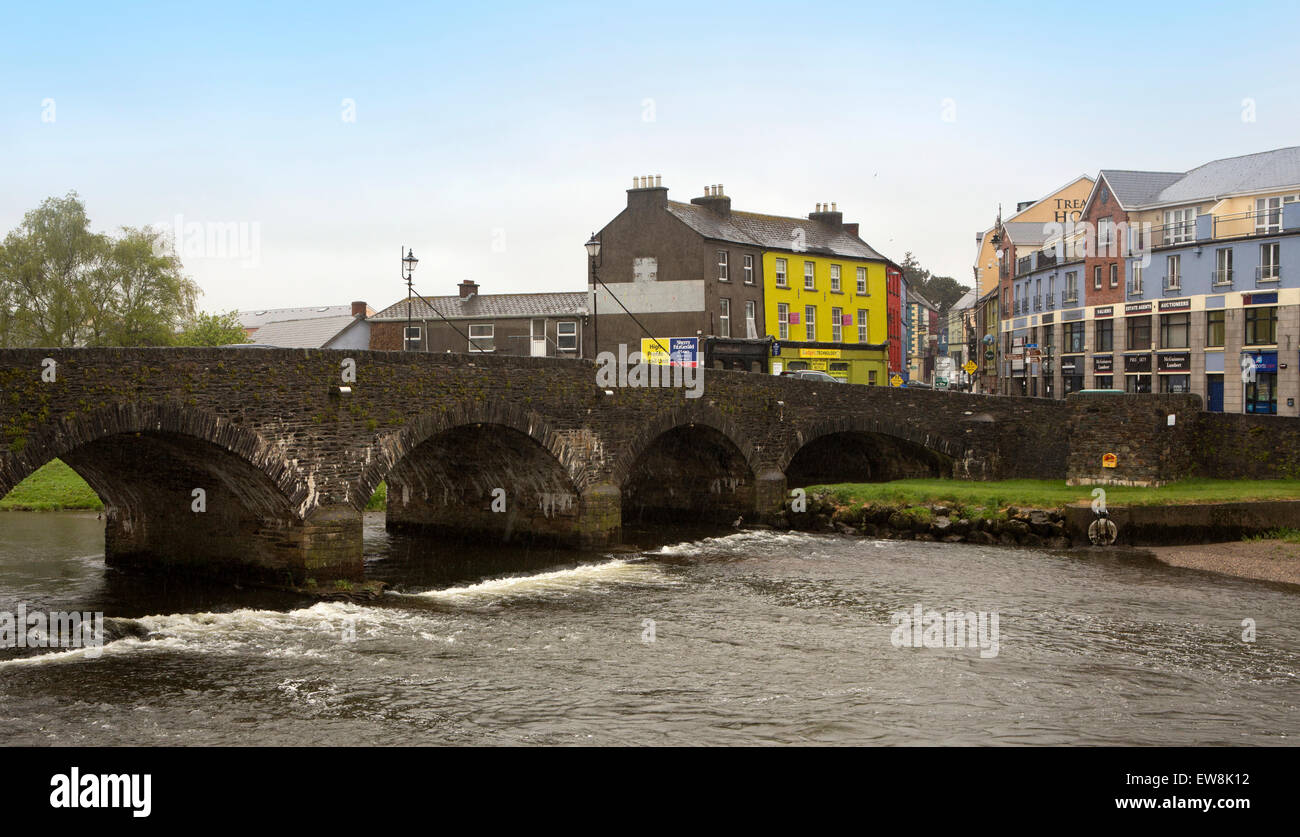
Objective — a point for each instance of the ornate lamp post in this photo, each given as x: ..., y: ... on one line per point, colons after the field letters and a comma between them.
x: 593, y: 258
x: 409, y: 261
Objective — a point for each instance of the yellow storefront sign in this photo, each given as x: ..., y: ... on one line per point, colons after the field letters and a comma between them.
x: 819, y: 353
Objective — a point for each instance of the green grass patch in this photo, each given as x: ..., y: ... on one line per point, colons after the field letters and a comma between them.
x: 379, y: 500
x: 1284, y: 534
x: 1048, y: 494
x: 53, y: 487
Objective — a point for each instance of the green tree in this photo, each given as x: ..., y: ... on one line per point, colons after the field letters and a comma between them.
x: 51, y: 273
x: 212, y: 330
x: 942, y: 291
x: 63, y: 285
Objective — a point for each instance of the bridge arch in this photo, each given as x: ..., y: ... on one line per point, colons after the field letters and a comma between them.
x: 690, y: 463
x: 188, y: 490
x: 65, y: 434
x: 862, y: 449
x: 480, y: 471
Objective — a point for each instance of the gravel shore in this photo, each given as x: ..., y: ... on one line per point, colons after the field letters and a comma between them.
x: 1271, y: 560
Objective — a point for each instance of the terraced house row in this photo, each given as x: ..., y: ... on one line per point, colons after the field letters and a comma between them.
x: 744, y: 290
x: 1167, y: 282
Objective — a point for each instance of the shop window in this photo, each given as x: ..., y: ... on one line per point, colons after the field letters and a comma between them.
x: 1261, y: 326
x: 1176, y: 383
x: 1214, y: 328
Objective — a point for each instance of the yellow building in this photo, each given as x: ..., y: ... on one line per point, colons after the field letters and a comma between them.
x: 1060, y: 206
x: 827, y: 313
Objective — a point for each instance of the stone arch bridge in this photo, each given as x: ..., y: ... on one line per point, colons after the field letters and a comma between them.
x: 259, y: 462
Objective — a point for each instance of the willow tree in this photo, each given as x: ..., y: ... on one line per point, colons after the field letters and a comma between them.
x: 63, y: 285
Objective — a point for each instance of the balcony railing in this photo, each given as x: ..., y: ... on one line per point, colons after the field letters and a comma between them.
x: 1135, y: 289
x: 1038, y: 303
x: 1269, y: 274
x: 1240, y: 224
x: 1051, y: 301
x: 1172, y: 285
x: 1046, y: 258
x: 1069, y: 298
x: 1222, y: 278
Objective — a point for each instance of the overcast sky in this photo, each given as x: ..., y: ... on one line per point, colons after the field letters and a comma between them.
x: 492, y: 140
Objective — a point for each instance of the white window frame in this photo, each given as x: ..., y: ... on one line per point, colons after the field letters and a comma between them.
x: 835, y: 278
x: 783, y: 321
x: 724, y: 317
x: 560, y: 335
x: 1222, y: 266
x: 782, y: 279
x: 837, y: 328
x: 862, y: 326
x: 809, y: 276
x: 1185, y: 231
x: 1270, y: 269
x: 1137, y: 278
x: 723, y: 269
x: 751, y: 319
x: 488, y: 339
x: 862, y: 282
x: 749, y: 269
x: 810, y: 323
x: 1174, y: 272
x: 408, y: 339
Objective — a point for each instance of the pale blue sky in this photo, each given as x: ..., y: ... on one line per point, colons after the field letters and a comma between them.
x: 493, y: 139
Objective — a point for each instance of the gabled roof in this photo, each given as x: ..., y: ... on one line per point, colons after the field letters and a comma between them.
x: 1265, y: 171
x: 773, y: 232
x: 302, y: 334
x: 489, y: 306
x: 1135, y: 188
x: 1027, y: 233
x: 257, y: 319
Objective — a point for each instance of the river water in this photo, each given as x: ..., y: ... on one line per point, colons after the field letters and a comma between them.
x: 743, y: 638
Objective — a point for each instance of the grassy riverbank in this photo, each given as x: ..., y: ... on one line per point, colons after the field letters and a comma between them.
x: 56, y: 487
x: 1049, y: 494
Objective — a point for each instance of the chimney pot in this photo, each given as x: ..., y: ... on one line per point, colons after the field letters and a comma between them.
x: 658, y: 182
x: 721, y: 191
x: 633, y: 182
x: 833, y: 209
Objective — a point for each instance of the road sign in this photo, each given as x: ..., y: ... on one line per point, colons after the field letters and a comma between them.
x: 970, y: 367
x: 895, y: 380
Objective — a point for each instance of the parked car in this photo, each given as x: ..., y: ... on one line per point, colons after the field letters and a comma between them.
x: 918, y: 385
x: 811, y: 375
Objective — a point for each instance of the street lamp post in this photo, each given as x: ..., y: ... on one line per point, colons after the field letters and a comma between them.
x: 409, y: 261
x: 593, y: 259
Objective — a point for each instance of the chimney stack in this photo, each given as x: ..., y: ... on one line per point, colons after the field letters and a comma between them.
x: 647, y: 191
x: 827, y: 213
x: 359, y: 309
x: 468, y: 288
x: 715, y: 200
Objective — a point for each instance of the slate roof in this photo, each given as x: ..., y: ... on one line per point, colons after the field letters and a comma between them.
x: 302, y: 334
x: 1026, y: 232
x: 1253, y: 172
x: 489, y: 306
x: 773, y: 232
x: 257, y: 319
x: 1137, y: 188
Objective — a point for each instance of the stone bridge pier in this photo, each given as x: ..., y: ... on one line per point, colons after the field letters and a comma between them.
x: 257, y: 464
